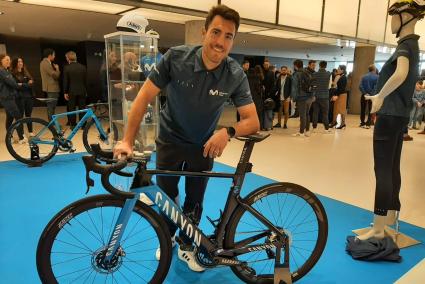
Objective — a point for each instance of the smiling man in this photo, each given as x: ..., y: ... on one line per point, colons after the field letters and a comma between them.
x: 198, y: 80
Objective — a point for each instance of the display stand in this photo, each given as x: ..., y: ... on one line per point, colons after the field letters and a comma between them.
x: 130, y: 58
x: 401, y: 240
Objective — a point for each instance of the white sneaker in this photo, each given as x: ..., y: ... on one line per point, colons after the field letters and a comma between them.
x: 314, y: 130
x: 158, y: 250
x: 188, y: 256
x: 145, y: 199
x: 298, y: 134
x: 23, y: 141
x: 31, y: 134
x: 307, y: 134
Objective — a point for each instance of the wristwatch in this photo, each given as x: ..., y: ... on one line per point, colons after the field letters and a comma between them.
x: 231, y: 131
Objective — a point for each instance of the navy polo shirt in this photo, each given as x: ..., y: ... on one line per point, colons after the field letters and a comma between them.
x: 399, y: 102
x: 196, y: 96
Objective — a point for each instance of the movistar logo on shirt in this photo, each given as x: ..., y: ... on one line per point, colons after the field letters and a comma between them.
x: 217, y: 93
x: 150, y: 67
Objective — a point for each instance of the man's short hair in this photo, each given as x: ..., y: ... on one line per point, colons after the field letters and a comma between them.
x: 266, y: 60
x: 298, y: 63
x: 72, y: 56
x: 286, y: 67
x: 225, y: 12
x: 311, y: 61
x: 245, y: 61
x: 47, y: 52
x: 371, y: 68
x: 323, y: 64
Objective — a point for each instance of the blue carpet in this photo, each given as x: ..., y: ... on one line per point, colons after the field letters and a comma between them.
x: 29, y: 197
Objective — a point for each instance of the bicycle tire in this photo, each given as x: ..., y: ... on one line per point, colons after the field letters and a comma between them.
x: 52, y: 242
x: 92, y: 125
x: 294, y: 192
x: 19, y: 156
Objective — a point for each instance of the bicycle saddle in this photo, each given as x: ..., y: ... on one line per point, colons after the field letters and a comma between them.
x: 257, y: 137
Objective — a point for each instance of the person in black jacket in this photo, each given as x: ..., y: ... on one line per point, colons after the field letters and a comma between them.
x: 8, y: 90
x: 340, y: 97
x: 24, y: 98
x: 74, y: 85
x: 283, y: 92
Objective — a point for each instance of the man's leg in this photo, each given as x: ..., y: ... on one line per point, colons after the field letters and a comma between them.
x: 309, y: 102
x: 302, y: 110
x: 362, y: 110
x: 51, y: 106
x: 324, y: 107
x: 71, y: 107
x: 286, y: 113
x: 13, y: 114
x: 316, y: 110
x: 279, y: 115
x: 195, y: 186
x: 81, y: 103
x: 168, y: 157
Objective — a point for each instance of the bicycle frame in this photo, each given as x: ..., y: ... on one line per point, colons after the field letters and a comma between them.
x: 88, y: 114
x: 195, y: 234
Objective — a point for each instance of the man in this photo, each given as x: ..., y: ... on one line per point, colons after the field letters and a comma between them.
x: 283, y: 92
x: 311, y: 67
x: 322, y: 81
x: 367, y: 87
x: 303, y: 96
x: 199, y: 80
x: 74, y: 86
x: 50, y: 74
x: 245, y: 67
x: 268, y: 79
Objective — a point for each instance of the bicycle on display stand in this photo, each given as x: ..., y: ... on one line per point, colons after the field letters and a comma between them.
x: 276, y: 234
x: 46, y: 138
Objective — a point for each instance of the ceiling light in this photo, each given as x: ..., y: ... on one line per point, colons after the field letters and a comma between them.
x: 85, y: 5
x: 1, y: 13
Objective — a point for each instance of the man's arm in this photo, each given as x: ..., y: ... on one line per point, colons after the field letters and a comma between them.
x: 249, y: 124
x: 138, y: 109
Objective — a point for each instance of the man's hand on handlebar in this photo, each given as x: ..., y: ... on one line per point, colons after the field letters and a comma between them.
x: 123, y: 148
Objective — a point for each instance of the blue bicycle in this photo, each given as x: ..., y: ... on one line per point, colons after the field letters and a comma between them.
x: 276, y: 234
x: 46, y: 138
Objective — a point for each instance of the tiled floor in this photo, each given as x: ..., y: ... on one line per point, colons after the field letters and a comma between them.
x: 337, y: 165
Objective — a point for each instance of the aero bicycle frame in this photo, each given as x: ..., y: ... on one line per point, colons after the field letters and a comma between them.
x: 175, y: 214
x: 88, y: 114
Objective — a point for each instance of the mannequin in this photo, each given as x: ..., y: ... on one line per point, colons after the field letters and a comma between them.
x: 392, y: 102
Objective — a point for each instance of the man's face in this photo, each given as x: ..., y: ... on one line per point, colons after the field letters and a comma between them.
x: 283, y: 71
x: 51, y: 57
x: 312, y: 66
x: 218, y: 39
x: 245, y: 66
x: 266, y: 65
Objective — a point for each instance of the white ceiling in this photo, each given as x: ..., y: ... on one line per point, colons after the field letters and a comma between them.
x: 57, y: 23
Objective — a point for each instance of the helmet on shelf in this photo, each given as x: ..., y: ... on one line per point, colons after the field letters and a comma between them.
x: 132, y: 22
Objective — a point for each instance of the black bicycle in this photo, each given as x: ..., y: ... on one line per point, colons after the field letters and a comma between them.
x: 276, y: 234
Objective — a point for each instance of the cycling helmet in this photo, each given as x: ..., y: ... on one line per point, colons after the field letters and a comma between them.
x: 416, y: 8
x: 132, y: 22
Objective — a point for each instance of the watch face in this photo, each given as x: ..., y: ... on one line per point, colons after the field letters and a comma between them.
x: 231, y: 131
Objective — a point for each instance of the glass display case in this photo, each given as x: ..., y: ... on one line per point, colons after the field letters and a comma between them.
x: 130, y: 57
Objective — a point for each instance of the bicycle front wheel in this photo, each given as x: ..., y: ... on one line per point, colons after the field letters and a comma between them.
x: 74, y: 243
x: 293, y: 209
x: 91, y: 135
x: 41, y: 145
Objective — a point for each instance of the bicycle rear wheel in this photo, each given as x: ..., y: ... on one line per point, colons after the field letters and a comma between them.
x: 74, y: 242
x: 91, y: 134
x: 291, y: 208
x: 44, y: 142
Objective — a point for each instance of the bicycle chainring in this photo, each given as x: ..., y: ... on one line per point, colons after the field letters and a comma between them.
x: 65, y: 145
x: 204, y: 258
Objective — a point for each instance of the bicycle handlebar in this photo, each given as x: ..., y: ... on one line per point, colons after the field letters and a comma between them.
x: 92, y: 164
